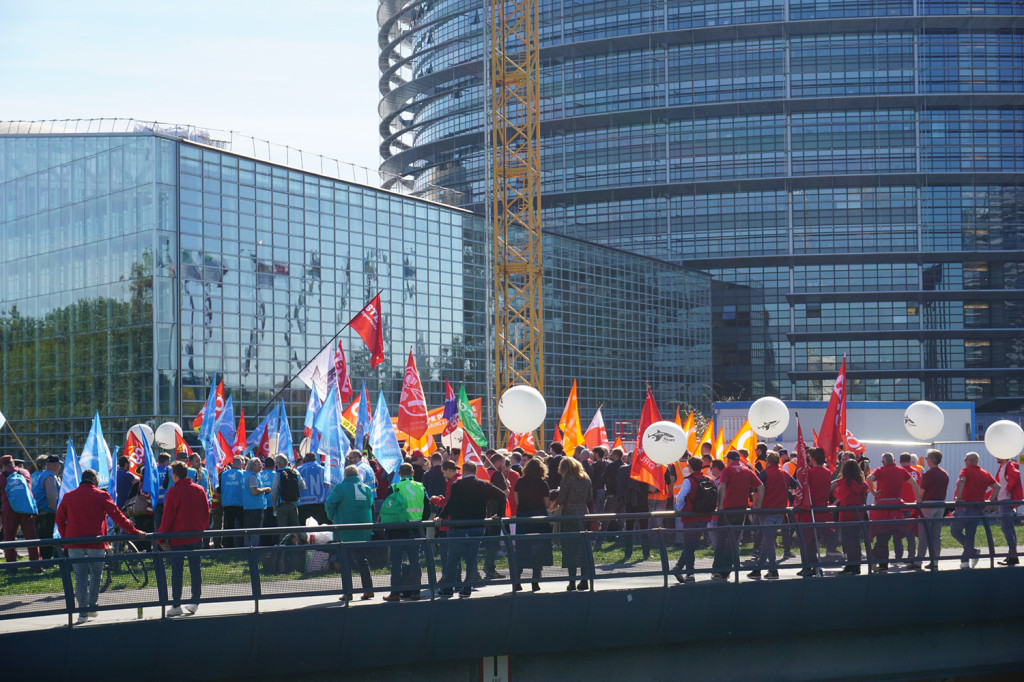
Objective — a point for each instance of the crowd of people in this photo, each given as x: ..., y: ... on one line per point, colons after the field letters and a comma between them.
x: 718, y: 504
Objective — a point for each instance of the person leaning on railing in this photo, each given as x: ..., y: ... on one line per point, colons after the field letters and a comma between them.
x: 83, y: 513
x: 972, y: 489
x: 186, y: 510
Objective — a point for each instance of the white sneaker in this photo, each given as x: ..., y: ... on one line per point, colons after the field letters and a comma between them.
x: 174, y: 611
x: 974, y: 560
x: 965, y: 564
x: 191, y: 608
x: 93, y: 614
x: 82, y: 619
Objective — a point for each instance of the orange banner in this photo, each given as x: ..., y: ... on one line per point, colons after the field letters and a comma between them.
x: 436, y: 421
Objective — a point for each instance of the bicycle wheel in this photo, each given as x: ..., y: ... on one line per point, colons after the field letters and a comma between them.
x: 134, y: 565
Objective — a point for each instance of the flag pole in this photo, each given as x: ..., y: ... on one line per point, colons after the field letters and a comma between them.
x: 13, y: 433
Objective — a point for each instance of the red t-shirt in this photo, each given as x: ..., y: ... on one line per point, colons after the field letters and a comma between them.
x: 907, y: 491
x: 739, y: 481
x: 850, y: 494
x: 776, y: 488
x: 819, y: 480
x: 889, y: 480
x: 934, y: 484
x: 976, y: 483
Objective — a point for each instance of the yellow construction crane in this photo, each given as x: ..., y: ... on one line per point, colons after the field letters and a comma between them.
x: 518, y: 268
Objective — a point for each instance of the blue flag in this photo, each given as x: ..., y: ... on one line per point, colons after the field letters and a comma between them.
x: 96, y: 453
x: 112, y: 483
x: 72, y: 472
x: 383, y: 440
x: 225, y: 425
x: 334, y: 443
x: 312, y: 408
x: 252, y: 442
x: 283, y: 433
x: 362, y: 420
x: 208, y: 427
x: 150, y: 476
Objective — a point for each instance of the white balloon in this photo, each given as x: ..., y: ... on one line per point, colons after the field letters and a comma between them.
x: 165, y: 436
x: 143, y: 431
x: 768, y: 416
x: 304, y: 447
x: 454, y: 439
x: 924, y: 420
x: 522, y: 409
x: 664, y: 442
x: 1004, y: 439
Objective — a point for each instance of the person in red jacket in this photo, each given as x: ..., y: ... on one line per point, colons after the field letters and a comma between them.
x: 82, y: 513
x: 1008, y: 478
x: 186, y: 510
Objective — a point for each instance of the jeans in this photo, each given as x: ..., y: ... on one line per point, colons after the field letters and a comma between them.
x: 357, y: 560
x: 964, y: 530
x: 1007, y: 517
x: 194, y: 569
x: 907, y: 533
x: 770, y: 524
x: 459, y: 551
x: 87, y: 576
x: 930, y: 534
x: 287, y: 514
x: 692, y: 530
x: 726, y: 550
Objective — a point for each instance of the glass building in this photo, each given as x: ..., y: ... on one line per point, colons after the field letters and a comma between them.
x: 851, y: 171
x: 138, y: 265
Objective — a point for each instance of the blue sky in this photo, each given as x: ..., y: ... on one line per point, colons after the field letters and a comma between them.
x: 300, y: 73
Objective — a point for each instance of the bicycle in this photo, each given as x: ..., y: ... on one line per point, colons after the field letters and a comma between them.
x: 129, y: 563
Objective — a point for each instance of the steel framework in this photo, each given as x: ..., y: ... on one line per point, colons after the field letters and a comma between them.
x: 518, y: 269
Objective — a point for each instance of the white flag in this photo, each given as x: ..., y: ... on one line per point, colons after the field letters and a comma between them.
x: 316, y: 373
x: 3, y: 420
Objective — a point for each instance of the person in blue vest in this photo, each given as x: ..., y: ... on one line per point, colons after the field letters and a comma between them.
x: 267, y: 476
x: 230, y: 487
x: 18, y: 508
x: 407, y: 502
x: 163, y: 477
x: 311, y: 502
x: 254, y: 498
x: 46, y: 490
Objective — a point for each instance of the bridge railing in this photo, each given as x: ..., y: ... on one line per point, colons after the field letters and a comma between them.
x: 514, y: 554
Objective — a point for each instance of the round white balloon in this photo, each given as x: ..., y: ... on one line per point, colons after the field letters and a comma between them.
x: 768, y: 416
x: 664, y: 442
x: 143, y: 431
x: 164, y: 436
x: 522, y: 409
x: 1004, y: 439
x: 454, y: 439
x: 304, y: 446
x: 923, y: 420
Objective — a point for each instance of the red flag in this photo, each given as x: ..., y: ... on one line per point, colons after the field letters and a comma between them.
x: 240, y: 434
x: 618, y: 444
x: 368, y: 324
x: 511, y: 442
x: 341, y: 375
x: 596, y: 433
x: 557, y: 438
x: 471, y: 451
x: 525, y: 442
x: 180, y: 446
x: 802, y: 494
x: 643, y: 468
x: 833, y: 426
x: 854, y: 445
x: 134, y: 451
x: 814, y: 437
x: 219, y: 399
x: 412, y: 407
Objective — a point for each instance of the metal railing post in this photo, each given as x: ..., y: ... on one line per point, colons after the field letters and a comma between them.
x: 588, y: 554
x: 991, y: 540
x: 69, y: 587
x: 663, y: 549
x: 254, y: 574
x: 429, y: 554
x: 513, y: 562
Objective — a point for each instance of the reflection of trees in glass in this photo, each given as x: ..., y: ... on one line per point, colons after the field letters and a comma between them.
x: 61, y: 367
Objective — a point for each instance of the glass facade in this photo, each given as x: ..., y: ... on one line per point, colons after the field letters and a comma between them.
x: 137, y: 266
x: 852, y: 171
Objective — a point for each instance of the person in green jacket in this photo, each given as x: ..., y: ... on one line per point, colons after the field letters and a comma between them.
x: 351, y: 501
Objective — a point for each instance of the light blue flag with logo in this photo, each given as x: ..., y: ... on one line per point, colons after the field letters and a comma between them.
x: 252, y: 442
x: 362, y: 420
x: 209, y: 425
x: 112, y: 483
x: 72, y: 476
x: 283, y: 433
x: 383, y: 440
x: 334, y: 443
x: 96, y: 453
x: 150, y: 476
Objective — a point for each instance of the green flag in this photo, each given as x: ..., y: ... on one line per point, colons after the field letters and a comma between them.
x: 468, y: 420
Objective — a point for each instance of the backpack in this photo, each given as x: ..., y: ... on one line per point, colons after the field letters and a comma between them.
x: 19, y: 496
x: 705, y: 496
x: 394, y: 509
x: 288, y: 485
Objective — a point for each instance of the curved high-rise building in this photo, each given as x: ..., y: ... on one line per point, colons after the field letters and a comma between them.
x: 850, y: 171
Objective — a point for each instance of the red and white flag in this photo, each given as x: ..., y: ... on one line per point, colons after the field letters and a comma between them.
x: 369, y: 325
x: 240, y: 434
x: 802, y: 494
x: 470, y: 451
x: 341, y: 375
x: 596, y: 433
x: 134, y: 451
x: 526, y: 443
x: 198, y: 421
x: 833, y: 426
x: 854, y: 445
x: 412, y: 407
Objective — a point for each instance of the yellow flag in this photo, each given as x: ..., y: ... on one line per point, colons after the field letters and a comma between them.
x: 708, y: 437
x: 720, y: 444
x: 745, y: 439
x: 690, y: 428
x: 572, y: 432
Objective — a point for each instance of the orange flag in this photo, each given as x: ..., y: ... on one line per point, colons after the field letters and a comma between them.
x: 678, y: 421
x: 572, y: 433
x: 690, y: 427
x: 412, y: 406
x: 746, y: 439
x: 708, y: 437
x: 720, y: 444
x: 618, y: 444
x: 426, y: 445
x: 643, y: 468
